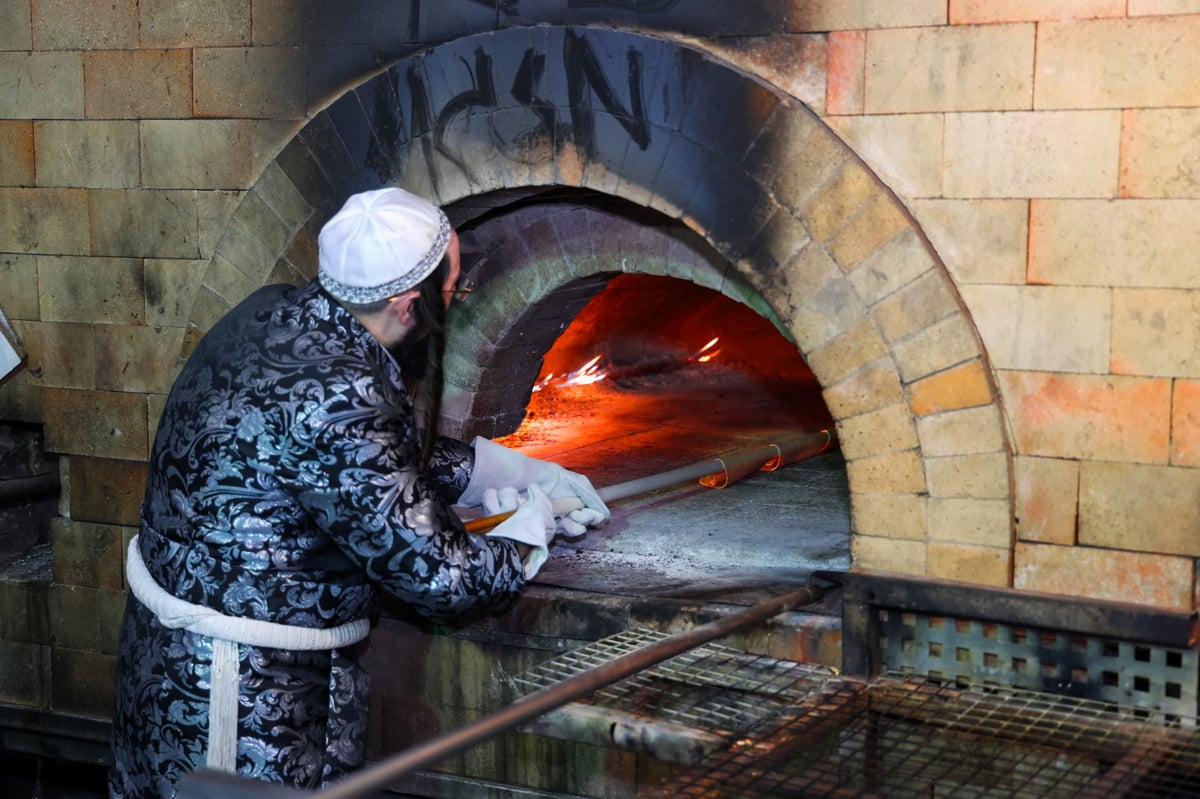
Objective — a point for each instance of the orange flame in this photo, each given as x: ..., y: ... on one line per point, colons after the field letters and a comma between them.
x: 703, y: 355
x: 590, y: 372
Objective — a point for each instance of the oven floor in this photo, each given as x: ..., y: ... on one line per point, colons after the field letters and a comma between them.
x: 771, y: 528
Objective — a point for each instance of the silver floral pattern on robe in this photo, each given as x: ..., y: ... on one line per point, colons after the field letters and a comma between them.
x: 283, y: 486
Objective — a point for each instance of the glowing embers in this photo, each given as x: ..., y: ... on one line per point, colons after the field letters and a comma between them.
x: 644, y: 331
x: 593, y: 371
x: 656, y: 372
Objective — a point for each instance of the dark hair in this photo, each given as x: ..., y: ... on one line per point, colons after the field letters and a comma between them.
x: 420, y: 355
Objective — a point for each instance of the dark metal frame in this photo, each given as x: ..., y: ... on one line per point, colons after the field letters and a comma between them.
x: 868, y: 597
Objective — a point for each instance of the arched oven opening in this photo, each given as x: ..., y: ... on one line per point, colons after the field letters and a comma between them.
x: 649, y: 367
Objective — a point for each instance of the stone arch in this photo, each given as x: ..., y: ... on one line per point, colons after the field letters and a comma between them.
x: 808, y: 234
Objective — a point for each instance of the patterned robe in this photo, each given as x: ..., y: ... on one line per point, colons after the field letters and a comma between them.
x: 284, y: 487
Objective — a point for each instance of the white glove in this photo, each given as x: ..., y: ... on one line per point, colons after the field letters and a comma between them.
x: 532, y: 523
x: 572, y: 522
x: 498, y: 467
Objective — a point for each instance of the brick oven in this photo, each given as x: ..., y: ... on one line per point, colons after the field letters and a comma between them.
x: 949, y: 233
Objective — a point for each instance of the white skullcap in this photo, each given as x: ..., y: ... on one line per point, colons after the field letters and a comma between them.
x: 382, y: 243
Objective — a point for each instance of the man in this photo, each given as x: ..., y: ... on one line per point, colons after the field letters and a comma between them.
x: 289, y: 483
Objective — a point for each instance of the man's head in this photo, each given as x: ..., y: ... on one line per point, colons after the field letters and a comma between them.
x: 377, y: 253
x: 391, y: 258
x: 381, y: 244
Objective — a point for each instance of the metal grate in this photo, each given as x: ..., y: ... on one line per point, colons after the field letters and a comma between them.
x: 900, y: 737
x: 716, y: 689
x: 1153, y: 678
x: 787, y: 729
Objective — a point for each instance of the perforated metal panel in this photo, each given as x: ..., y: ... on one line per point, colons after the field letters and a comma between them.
x: 1154, y: 678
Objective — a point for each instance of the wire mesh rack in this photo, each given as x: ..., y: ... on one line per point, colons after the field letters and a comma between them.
x: 785, y: 729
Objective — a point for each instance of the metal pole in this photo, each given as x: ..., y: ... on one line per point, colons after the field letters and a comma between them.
x: 733, y: 466
x: 542, y: 701
x: 205, y: 784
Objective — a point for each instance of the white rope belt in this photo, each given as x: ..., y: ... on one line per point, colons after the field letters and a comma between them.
x: 226, y: 633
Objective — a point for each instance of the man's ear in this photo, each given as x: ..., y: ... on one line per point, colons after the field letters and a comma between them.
x: 401, y: 307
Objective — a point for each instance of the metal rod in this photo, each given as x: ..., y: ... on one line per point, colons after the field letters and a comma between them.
x: 204, y: 783
x: 733, y: 466
x: 541, y: 701
x: 29, y: 489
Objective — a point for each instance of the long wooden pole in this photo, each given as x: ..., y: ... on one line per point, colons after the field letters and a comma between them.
x: 716, y: 472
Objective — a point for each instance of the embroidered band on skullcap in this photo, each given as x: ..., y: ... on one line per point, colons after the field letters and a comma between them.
x: 381, y: 243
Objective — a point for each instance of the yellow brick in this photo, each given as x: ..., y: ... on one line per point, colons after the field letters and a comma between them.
x: 846, y: 354
x: 914, y: 170
x: 878, y: 432
x: 1160, y: 153
x: 919, y: 304
x: 1118, y: 63
x: 961, y: 432
x: 979, y: 476
x: 1140, y: 508
x: 820, y: 15
x: 978, y: 522
x: 1126, y: 243
x: 1156, y: 332
x: 878, y: 220
x: 970, y: 564
x: 940, y: 346
x: 44, y: 221
x: 980, y: 241
x: 894, y: 473
x: 41, y: 85
x: 103, y: 424
x: 887, y: 554
x: 868, y: 389
x: 133, y: 84
x: 841, y: 198
x: 1032, y: 154
x: 977, y: 12
x: 976, y: 68
x: 889, y: 515
x: 254, y: 82
x: 1141, y: 8
x: 1043, y: 328
x: 72, y: 25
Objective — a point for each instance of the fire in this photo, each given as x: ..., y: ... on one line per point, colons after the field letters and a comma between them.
x: 703, y: 355
x: 590, y: 372
x: 593, y: 372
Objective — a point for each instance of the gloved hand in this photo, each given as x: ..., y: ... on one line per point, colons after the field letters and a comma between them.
x: 571, y: 523
x: 498, y: 467
x: 532, y: 523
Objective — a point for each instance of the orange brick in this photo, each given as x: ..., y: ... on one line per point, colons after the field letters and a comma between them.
x: 1185, y: 424
x: 845, y: 72
x: 975, y: 12
x: 1047, y: 498
x: 1138, y: 577
x: 1089, y: 417
x: 964, y: 386
x: 16, y: 142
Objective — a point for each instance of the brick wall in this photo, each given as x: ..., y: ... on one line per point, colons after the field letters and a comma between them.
x: 1046, y: 151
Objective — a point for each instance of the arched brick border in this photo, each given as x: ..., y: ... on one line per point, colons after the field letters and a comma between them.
x: 824, y: 244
